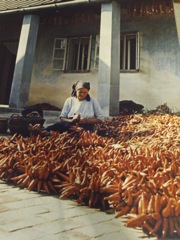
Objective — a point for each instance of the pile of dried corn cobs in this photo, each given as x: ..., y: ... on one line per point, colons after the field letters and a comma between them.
x: 134, y: 170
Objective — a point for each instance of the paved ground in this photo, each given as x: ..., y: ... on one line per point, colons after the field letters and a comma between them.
x: 28, y: 215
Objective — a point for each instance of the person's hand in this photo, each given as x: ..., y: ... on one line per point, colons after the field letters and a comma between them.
x: 76, y: 118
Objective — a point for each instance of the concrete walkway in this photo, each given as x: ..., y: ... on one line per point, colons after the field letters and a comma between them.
x: 28, y: 215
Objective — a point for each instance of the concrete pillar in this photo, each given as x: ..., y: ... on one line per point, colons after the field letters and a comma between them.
x: 109, y: 59
x: 176, y: 5
x: 24, y: 62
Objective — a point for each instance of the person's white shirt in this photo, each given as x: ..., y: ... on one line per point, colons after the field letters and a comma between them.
x: 86, y: 109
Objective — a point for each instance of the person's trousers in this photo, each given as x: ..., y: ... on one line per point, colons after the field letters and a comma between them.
x: 58, y: 127
x: 64, y: 126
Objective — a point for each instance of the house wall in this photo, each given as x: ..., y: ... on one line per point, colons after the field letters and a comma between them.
x: 156, y: 83
x: 53, y: 86
x: 158, y: 80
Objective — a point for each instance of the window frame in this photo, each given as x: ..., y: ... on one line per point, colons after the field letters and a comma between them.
x: 126, y: 36
x: 54, y: 53
x: 96, y: 54
x: 137, y: 60
x: 78, y: 57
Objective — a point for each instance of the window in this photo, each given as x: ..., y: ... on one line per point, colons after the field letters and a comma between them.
x: 96, y: 60
x: 72, y: 54
x: 59, y: 53
x: 129, y: 55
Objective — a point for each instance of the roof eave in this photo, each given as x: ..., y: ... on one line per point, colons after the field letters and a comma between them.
x: 52, y: 6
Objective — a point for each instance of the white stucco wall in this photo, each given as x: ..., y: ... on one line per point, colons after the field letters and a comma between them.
x: 158, y: 80
x: 56, y: 92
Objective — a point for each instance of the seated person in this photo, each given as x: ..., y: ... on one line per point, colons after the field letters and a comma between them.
x: 80, y: 109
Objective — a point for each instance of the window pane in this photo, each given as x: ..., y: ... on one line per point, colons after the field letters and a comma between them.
x: 83, y: 56
x: 96, y: 55
x: 58, y: 64
x: 97, y: 52
x: 97, y: 62
x: 97, y: 40
x: 128, y: 54
x: 72, y: 54
x: 133, y: 53
x: 121, y: 54
x: 60, y: 43
x: 78, y: 53
x: 59, y: 53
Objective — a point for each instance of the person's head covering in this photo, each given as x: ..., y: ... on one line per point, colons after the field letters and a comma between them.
x: 78, y: 85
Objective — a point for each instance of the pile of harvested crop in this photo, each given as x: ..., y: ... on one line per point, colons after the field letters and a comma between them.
x: 134, y: 169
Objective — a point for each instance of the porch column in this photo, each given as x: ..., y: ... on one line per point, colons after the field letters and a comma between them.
x: 176, y: 5
x: 109, y: 59
x: 24, y: 62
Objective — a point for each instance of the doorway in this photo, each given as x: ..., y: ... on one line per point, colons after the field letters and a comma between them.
x: 8, y: 51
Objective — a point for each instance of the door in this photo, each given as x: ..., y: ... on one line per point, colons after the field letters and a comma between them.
x: 7, y: 64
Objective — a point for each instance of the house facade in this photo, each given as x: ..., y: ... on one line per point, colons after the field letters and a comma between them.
x: 127, y: 50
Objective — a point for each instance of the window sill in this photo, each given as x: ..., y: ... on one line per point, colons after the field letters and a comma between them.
x: 129, y: 71
x: 75, y: 71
